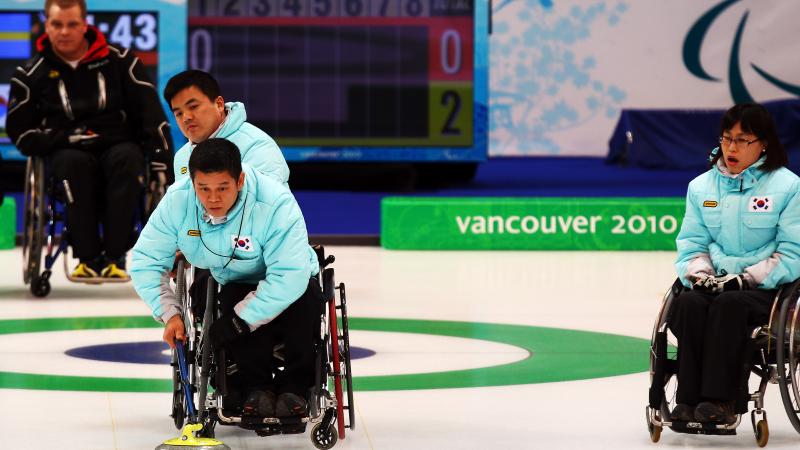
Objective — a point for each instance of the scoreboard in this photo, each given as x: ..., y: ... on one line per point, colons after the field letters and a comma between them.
x: 139, y: 26
x: 352, y: 80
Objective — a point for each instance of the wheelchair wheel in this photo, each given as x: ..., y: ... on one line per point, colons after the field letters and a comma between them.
x: 205, y: 355
x: 335, y: 348
x: 324, y: 438
x: 179, y: 407
x: 663, y: 366
x: 178, y: 398
x: 655, y: 432
x: 788, y: 357
x: 33, y: 233
x: 345, y: 346
x: 762, y: 433
x: 154, y: 192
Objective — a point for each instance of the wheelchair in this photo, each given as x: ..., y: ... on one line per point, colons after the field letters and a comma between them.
x: 775, y: 350
x: 329, y: 398
x: 44, y: 223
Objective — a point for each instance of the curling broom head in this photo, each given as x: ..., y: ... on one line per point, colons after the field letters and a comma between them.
x: 188, y: 441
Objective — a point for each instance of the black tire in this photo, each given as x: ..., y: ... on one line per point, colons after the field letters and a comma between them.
x: 351, y: 412
x: 324, y: 439
x: 40, y: 286
x: 788, y: 354
x: 33, y: 222
x: 663, y: 362
x: 153, y: 193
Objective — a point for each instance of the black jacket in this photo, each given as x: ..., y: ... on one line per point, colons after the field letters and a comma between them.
x: 107, y: 94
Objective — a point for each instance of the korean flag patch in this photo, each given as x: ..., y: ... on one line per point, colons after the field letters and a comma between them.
x: 760, y: 204
x: 242, y: 243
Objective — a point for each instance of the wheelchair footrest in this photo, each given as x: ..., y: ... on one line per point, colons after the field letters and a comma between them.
x: 701, y: 428
x: 97, y: 280
x: 289, y: 425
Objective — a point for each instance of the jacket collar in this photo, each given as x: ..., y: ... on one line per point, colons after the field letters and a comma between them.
x: 745, y: 180
x: 98, y: 47
x: 233, y: 120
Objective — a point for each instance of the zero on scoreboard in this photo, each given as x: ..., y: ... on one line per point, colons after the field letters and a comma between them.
x: 351, y: 79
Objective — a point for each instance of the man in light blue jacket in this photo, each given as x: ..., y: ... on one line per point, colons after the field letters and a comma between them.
x: 739, y: 241
x: 201, y: 112
x: 248, y: 230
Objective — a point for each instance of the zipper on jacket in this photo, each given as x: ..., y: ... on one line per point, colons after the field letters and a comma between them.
x: 62, y: 92
x: 741, y: 185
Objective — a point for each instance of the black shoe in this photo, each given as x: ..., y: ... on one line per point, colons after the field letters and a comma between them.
x: 683, y: 413
x: 290, y: 405
x: 259, y: 403
x: 715, y: 411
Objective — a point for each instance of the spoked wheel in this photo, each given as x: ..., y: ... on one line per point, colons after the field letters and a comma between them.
x: 788, y: 358
x: 324, y: 438
x: 337, y: 360
x: 663, y: 364
x: 204, y: 361
x: 33, y: 233
x: 344, y: 347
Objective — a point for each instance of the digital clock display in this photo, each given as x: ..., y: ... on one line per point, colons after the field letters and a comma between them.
x: 19, y: 30
x: 376, y: 77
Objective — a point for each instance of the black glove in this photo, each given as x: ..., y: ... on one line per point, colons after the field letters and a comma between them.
x: 80, y: 138
x: 227, y: 329
x: 732, y: 283
x: 720, y: 283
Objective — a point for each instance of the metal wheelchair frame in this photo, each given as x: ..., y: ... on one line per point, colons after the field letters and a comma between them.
x: 776, y: 350
x: 326, y: 405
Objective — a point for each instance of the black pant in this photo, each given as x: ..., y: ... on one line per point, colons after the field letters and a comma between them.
x: 296, y: 327
x: 712, y: 332
x: 105, y: 187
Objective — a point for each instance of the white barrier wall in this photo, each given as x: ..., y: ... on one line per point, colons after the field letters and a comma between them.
x: 561, y: 70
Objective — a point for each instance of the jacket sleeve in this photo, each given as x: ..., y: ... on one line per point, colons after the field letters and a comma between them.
x: 289, y: 268
x: 23, y: 118
x: 785, y: 263
x: 152, y: 259
x: 693, y: 239
x: 143, y: 106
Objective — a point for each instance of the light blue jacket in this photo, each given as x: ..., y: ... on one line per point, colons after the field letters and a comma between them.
x: 257, y: 148
x: 745, y: 224
x: 272, y: 248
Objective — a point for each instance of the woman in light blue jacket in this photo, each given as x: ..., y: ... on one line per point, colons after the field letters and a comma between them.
x: 740, y: 240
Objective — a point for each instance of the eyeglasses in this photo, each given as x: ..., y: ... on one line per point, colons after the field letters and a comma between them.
x: 737, y: 142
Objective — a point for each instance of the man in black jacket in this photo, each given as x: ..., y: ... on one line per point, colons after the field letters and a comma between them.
x: 90, y: 107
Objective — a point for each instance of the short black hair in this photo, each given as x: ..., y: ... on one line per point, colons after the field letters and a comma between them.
x: 755, y: 119
x: 216, y: 155
x: 188, y: 78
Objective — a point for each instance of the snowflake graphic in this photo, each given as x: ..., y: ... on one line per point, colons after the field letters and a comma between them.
x: 538, y: 84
